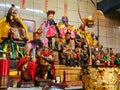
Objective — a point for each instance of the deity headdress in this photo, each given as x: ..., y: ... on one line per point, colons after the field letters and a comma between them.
x: 50, y: 12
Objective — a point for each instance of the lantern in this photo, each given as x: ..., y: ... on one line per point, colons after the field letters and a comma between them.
x: 89, y: 22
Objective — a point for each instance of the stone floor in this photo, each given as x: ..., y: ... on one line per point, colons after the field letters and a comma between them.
x: 34, y: 88
x: 52, y: 88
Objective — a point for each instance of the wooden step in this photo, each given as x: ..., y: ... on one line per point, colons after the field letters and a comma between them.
x: 74, y: 83
x: 25, y: 84
x: 72, y: 73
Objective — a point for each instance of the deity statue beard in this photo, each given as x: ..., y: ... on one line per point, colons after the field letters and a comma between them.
x: 14, y: 13
x: 52, y: 22
x: 37, y: 42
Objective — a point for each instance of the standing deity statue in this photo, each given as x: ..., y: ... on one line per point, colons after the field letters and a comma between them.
x: 13, y: 33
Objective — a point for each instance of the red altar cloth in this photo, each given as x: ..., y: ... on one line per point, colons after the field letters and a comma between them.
x: 4, y: 67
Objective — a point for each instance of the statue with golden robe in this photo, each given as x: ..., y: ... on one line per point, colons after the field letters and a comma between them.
x: 13, y: 33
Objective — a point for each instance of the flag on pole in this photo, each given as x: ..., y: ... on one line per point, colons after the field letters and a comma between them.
x: 45, y: 6
x: 23, y: 4
x: 65, y: 7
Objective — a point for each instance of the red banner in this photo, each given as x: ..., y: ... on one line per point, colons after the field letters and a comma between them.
x: 45, y: 6
x: 23, y: 4
x: 65, y: 7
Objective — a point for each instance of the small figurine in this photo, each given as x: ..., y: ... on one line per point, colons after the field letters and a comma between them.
x: 112, y: 59
x: 117, y: 59
x: 49, y: 28
x: 105, y: 61
x: 27, y: 67
x: 45, y: 68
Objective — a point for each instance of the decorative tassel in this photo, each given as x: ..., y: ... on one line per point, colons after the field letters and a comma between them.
x: 5, y: 50
x: 13, y: 51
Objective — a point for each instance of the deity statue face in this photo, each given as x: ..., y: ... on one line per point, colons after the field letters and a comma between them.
x: 50, y: 14
x: 65, y: 20
x: 82, y: 27
x: 36, y: 35
x: 68, y: 36
x: 13, y: 10
x: 50, y: 17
